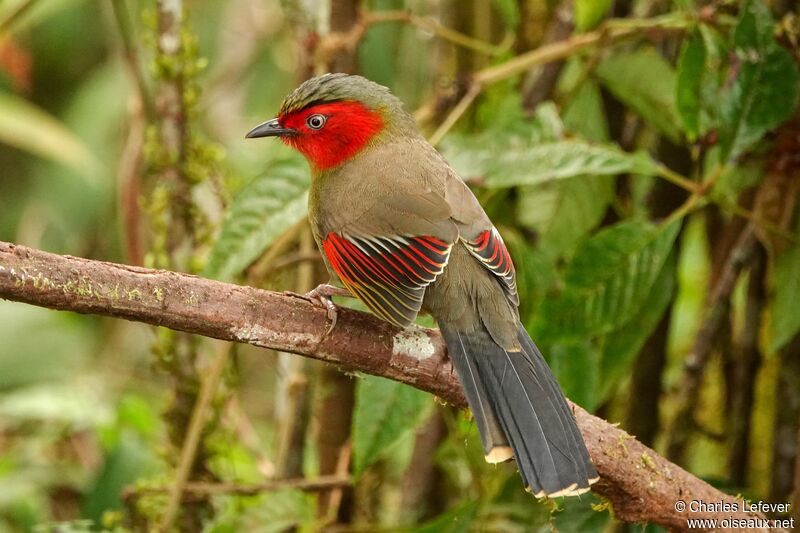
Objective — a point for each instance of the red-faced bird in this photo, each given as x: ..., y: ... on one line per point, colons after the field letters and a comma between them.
x: 404, y: 234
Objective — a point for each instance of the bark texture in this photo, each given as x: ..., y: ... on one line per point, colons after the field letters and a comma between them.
x: 641, y: 485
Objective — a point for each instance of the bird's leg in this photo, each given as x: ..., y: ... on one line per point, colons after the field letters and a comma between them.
x: 321, y: 296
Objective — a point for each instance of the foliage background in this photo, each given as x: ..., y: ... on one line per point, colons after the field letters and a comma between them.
x: 646, y: 184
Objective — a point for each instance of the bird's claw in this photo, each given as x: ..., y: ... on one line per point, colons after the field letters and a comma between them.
x: 321, y: 296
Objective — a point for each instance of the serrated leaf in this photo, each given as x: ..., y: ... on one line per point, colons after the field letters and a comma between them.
x: 621, y: 346
x: 765, y: 91
x: 691, y: 71
x: 609, y: 279
x: 262, y: 211
x: 562, y: 160
x: 473, y: 155
x: 784, y: 315
x: 589, y: 13
x: 385, y: 412
x: 29, y: 128
x: 563, y: 212
x: 645, y: 82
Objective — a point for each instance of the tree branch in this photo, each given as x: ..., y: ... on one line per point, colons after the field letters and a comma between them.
x: 641, y: 485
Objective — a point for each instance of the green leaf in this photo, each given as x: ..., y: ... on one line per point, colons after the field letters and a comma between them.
x: 455, y: 520
x: 536, y: 274
x: 262, y: 211
x: 562, y: 160
x: 576, y: 365
x: 765, y: 91
x: 784, y: 315
x: 585, y: 115
x: 689, y: 84
x: 27, y: 127
x: 645, y: 82
x: 563, y: 212
x: 609, y: 279
x: 128, y: 461
x: 385, y: 412
x: 589, y: 13
x: 508, y: 11
x: 621, y: 346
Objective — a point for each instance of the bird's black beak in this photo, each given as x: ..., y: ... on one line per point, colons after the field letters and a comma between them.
x: 270, y: 128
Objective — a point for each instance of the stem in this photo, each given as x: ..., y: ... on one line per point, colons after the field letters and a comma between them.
x: 192, y: 440
x: 455, y: 114
x: 251, y: 489
x: 610, y: 32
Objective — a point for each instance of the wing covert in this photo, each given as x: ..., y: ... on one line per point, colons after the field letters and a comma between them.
x: 490, y: 249
x: 388, y: 273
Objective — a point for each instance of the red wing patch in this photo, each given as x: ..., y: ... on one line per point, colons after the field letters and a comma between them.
x: 388, y: 274
x: 493, y: 254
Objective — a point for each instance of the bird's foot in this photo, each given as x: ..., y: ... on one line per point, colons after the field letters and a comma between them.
x: 321, y: 296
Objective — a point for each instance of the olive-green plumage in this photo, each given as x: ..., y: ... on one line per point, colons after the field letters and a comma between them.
x: 405, y: 234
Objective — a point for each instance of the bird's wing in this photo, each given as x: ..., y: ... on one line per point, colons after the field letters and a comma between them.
x: 479, y: 234
x: 392, y: 252
x: 490, y: 249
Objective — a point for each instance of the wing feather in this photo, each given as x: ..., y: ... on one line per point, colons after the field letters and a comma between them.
x: 388, y: 273
x: 490, y: 249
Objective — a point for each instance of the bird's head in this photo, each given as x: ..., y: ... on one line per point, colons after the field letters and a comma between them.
x: 331, y: 118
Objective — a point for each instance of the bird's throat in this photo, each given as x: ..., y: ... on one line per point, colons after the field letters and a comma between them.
x: 350, y: 128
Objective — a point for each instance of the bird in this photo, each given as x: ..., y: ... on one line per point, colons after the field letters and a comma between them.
x: 403, y: 233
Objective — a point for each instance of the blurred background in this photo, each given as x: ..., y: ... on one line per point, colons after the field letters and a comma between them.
x: 640, y: 158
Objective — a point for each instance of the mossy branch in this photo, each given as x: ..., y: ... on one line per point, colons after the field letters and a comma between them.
x: 641, y: 485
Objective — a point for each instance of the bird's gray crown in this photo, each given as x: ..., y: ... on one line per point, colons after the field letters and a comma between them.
x: 340, y: 87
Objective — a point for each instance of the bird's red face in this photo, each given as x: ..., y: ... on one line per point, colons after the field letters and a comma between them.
x: 327, y: 134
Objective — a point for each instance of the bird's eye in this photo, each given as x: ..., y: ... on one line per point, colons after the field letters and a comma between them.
x: 315, y: 122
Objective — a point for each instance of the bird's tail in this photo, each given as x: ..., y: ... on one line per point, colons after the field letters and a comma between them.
x: 517, y: 404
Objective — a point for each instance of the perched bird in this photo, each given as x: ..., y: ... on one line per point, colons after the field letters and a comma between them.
x: 405, y: 234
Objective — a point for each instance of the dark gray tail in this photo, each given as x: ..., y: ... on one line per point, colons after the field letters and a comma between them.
x: 515, y: 400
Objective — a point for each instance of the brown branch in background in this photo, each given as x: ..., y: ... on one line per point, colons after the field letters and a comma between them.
x: 176, y: 237
x: 746, y: 362
x: 247, y: 489
x: 785, y: 479
x: 193, y: 434
x: 142, y: 110
x: 539, y: 83
x: 131, y: 56
x: 345, y: 39
x: 129, y: 191
x: 695, y: 362
x: 641, y: 485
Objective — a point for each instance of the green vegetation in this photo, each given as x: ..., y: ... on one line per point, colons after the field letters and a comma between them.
x: 639, y: 158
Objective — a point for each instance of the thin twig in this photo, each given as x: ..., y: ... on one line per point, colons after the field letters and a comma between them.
x: 696, y: 360
x: 610, y: 32
x: 455, y: 114
x: 441, y: 31
x: 247, y: 489
x: 16, y: 14
x: 675, y: 178
x: 131, y: 56
x: 192, y: 440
